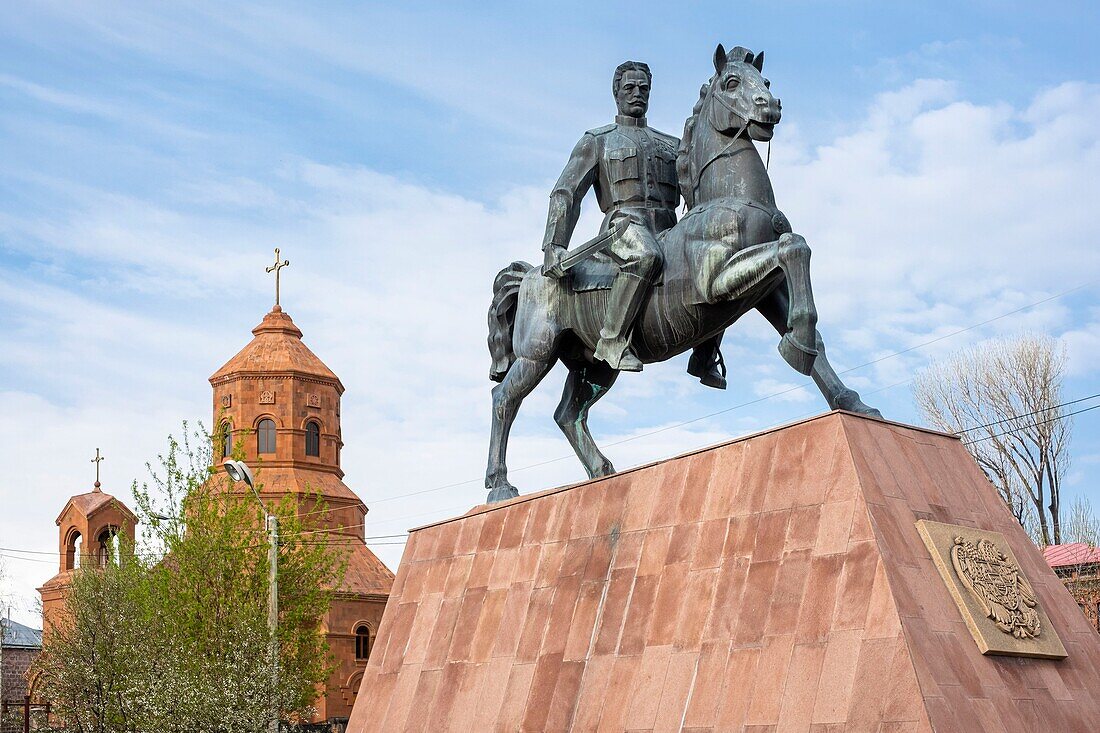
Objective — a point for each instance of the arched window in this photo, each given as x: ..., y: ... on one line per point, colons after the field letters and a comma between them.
x: 362, y: 642
x: 78, y: 550
x: 265, y: 436
x: 313, y: 439
x: 227, y: 439
x: 354, y: 682
x: 107, y: 551
x: 72, y: 551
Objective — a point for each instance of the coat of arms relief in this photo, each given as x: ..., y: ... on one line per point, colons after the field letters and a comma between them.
x: 999, y: 585
x: 996, y: 599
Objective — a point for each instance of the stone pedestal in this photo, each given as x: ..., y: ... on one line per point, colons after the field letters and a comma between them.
x: 776, y: 582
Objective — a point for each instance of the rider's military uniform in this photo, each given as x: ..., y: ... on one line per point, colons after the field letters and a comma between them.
x: 633, y: 170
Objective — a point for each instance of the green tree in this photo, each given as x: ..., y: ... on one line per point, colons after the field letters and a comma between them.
x: 94, y: 662
x: 188, y: 612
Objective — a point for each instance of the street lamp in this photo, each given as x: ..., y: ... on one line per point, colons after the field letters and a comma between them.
x: 238, y: 471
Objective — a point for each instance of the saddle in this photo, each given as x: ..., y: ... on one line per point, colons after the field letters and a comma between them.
x: 595, y: 273
x: 599, y: 271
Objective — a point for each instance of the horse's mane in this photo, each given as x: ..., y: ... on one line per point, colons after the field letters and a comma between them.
x: 685, y: 171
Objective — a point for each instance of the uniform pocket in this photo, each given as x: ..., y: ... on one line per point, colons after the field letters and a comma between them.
x: 666, y: 168
x: 622, y: 164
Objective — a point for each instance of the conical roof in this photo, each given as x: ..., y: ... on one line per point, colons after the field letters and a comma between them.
x: 91, y: 502
x: 277, y: 348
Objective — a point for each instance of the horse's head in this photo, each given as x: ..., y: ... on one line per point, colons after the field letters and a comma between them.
x: 742, y: 99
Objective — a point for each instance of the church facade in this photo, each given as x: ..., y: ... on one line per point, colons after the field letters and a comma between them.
x: 279, y: 404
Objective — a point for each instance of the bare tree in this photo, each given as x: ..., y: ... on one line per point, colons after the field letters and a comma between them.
x: 1081, y: 525
x: 1004, y: 398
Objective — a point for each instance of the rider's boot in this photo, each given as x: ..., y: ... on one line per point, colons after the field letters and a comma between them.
x: 627, y: 294
x: 707, y: 364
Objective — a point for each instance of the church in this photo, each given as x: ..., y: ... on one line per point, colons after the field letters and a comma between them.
x: 281, y: 403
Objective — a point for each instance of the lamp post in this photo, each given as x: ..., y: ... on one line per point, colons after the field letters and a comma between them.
x: 238, y: 472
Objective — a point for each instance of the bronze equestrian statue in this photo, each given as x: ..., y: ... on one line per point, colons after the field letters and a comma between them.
x: 633, y: 170
x: 629, y: 302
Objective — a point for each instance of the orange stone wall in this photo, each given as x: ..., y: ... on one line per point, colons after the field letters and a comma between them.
x: 347, y: 613
x: 237, y: 398
x: 774, y: 583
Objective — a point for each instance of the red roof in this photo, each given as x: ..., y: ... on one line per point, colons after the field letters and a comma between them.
x: 1074, y: 553
x: 91, y: 502
x: 366, y: 574
x: 277, y: 349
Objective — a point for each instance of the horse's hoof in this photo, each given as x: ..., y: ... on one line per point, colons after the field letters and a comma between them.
x: 798, y: 356
x: 605, y: 469
x: 502, y: 493
x: 849, y: 401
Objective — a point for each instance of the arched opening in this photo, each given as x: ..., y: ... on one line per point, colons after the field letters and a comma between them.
x: 72, y: 551
x: 225, y: 436
x: 353, y: 684
x: 107, y: 547
x: 313, y: 439
x: 265, y: 436
x: 362, y: 643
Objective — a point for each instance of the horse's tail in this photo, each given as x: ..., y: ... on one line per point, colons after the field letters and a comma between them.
x: 502, y: 318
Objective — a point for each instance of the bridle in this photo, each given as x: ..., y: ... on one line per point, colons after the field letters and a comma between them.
x: 698, y: 177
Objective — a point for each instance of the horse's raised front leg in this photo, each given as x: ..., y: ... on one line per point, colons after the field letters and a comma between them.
x: 584, y: 386
x: 799, y: 343
x: 523, y: 376
x: 776, y: 309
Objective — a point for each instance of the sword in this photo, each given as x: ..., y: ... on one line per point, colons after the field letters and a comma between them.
x: 591, y: 247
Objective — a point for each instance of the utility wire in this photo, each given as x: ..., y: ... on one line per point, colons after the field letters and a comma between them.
x: 759, y: 399
x: 1029, y: 414
x: 960, y: 432
x: 356, y: 541
x: 1032, y: 425
x: 715, y: 414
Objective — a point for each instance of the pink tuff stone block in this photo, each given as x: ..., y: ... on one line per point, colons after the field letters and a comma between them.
x: 773, y: 583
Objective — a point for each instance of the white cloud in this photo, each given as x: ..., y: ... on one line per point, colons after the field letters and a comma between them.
x: 785, y: 391
x: 932, y: 214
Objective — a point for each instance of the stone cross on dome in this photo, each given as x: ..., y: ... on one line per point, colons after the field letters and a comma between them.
x: 275, y: 268
x: 97, y: 460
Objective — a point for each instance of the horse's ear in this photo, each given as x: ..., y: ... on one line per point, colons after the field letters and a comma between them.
x: 758, y: 61
x: 719, y: 58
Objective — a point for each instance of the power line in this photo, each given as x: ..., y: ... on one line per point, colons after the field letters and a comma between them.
x: 756, y: 401
x: 695, y: 419
x: 1032, y: 425
x: 403, y: 537
x: 1029, y: 414
x: 26, y: 559
x: 897, y: 384
x: 153, y: 555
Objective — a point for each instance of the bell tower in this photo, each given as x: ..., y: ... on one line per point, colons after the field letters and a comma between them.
x: 89, y: 528
x: 280, y: 405
x: 277, y: 379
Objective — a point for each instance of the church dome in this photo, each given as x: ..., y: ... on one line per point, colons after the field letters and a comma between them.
x: 277, y: 349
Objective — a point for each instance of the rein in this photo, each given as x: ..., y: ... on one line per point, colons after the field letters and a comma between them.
x: 698, y: 178
x: 720, y: 154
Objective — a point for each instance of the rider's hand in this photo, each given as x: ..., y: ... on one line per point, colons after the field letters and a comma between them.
x: 551, y: 265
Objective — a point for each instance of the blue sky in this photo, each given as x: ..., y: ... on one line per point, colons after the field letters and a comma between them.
x: 940, y: 158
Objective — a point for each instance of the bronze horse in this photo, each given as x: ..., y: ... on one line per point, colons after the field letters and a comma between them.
x: 732, y: 252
